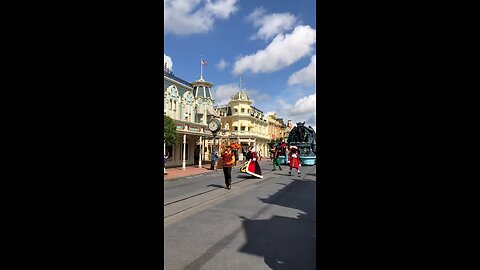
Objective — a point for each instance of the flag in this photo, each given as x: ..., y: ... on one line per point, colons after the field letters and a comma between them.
x: 204, y: 62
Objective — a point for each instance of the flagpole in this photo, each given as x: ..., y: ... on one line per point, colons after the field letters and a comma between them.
x: 201, y: 67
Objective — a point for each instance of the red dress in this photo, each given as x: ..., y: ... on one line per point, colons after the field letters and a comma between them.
x: 253, y: 168
x: 294, y: 159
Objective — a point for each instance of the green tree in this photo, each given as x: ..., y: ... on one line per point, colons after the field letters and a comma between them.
x: 169, y: 130
x: 274, y: 141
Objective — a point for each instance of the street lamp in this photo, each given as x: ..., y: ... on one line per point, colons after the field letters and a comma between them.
x: 214, y: 126
x: 212, y: 165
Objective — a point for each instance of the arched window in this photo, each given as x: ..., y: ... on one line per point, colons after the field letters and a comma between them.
x: 175, y: 109
x: 188, y: 103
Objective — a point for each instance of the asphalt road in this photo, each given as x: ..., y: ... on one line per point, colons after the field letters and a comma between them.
x: 260, y: 224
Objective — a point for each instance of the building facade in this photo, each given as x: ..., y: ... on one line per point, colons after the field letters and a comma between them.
x: 276, y: 127
x: 244, y: 124
x: 190, y: 105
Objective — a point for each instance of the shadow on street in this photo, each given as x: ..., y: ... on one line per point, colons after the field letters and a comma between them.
x: 215, y: 185
x: 285, y: 242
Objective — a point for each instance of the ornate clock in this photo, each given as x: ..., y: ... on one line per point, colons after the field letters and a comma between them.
x: 214, y: 125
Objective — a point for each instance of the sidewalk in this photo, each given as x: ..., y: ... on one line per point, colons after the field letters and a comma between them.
x: 177, y: 172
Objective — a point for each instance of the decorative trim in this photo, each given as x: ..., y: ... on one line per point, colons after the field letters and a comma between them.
x: 251, y: 173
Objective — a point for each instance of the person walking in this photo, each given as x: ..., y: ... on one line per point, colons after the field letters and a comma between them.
x: 228, y: 160
x: 165, y: 157
x: 235, y: 153
x: 248, y: 156
x: 214, y: 159
x: 276, y: 158
x: 260, y: 155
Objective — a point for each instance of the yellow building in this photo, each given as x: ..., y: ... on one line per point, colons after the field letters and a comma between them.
x: 244, y: 123
x: 276, y: 127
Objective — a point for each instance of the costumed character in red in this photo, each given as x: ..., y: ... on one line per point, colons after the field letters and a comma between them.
x: 294, y: 158
x: 253, y: 168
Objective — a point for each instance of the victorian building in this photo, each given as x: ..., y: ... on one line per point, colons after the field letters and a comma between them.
x: 276, y: 127
x: 244, y: 123
x: 190, y: 105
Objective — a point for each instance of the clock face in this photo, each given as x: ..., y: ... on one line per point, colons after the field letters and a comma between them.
x: 214, y: 125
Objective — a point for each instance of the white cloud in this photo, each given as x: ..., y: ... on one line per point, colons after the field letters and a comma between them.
x: 303, y: 110
x: 185, y: 17
x: 271, y: 24
x: 221, y: 8
x: 306, y: 75
x: 168, y: 60
x: 304, y: 106
x: 223, y: 94
x: 257, y: 95
x: 222, y: 64
x: 283, y: 51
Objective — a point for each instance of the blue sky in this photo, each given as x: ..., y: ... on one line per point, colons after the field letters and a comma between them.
x: 271, y: 44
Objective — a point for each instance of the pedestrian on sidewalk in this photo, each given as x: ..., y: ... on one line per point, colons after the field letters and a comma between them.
x: 214, y: 159
x: 228, y: 160
x: 276, y: 158
x: 260, y: 155
x: 165, y: 157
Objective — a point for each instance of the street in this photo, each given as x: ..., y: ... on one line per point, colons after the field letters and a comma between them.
x: 267, y: 223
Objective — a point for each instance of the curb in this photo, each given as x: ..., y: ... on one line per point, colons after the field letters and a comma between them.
x: 183, y: 177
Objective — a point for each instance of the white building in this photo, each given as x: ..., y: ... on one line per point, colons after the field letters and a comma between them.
x: 190, y: 105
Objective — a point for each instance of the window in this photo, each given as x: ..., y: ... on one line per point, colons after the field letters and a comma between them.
x: 187, y: 112
x: 243, y: 110
x: 243, y: 128
x: 236, y: 110
x: 236, y: 128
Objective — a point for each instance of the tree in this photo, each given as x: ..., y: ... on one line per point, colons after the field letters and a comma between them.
x: 169, y: 130
x: 274, y: 141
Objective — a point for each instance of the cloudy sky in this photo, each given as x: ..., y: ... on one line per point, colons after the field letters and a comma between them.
x: 271, y: 44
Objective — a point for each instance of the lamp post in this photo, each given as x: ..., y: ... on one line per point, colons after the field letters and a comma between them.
x: 212, y: 165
